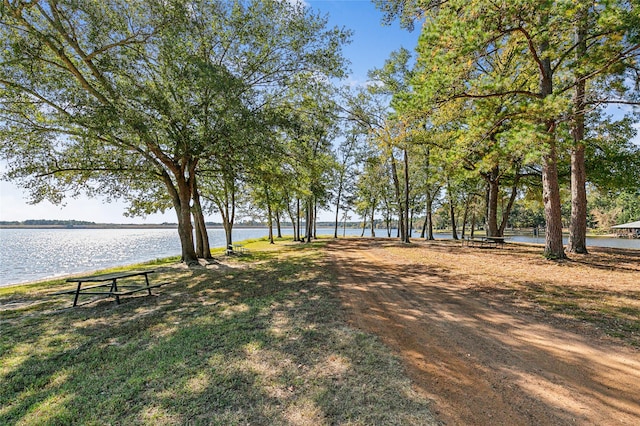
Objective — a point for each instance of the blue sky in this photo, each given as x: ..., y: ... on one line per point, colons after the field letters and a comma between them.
x: 371, y: 45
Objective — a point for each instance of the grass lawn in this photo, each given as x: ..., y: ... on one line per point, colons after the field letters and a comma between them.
x: 258, y: 339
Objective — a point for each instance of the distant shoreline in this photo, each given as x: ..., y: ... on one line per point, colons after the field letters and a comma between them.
x: 144, y: 226
x: 120, y: 226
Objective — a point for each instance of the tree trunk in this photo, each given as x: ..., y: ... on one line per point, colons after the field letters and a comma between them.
x: 227, y: 208
x: 198, y: 230
x: 298, y: 219
x: 315, y: 222
x: 454, y: 230
x: 309, y: 224
x: 278, y: 226
x: 269, y: 215
x: 430, y: 217
x: 452, y: 212
x: 507, y: 210
x: 293, y: 222
x: 578, y: 227
x: 473, y: 225
x: 396, y: 187
x: 553, y: 248
x: 344, y: 225
x: 185, y: 227
x: 270, y: 220
x: 410, y: 226
x: 465, y: 215
x: 373, y: 222
x: 364, y: 224
x: 406, y: 198
x: 203, y: 249
x: 493, y: 186
x: 335, y: 231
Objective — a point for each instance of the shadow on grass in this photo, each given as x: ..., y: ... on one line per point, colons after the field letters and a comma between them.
x: 261, y: 341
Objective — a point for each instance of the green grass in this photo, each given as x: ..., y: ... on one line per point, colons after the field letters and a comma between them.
x: 259, y: 340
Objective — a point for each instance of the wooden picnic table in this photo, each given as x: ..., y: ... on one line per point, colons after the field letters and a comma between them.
x: 236, y: 249
x: 110, y: 281
x: 490, y: 242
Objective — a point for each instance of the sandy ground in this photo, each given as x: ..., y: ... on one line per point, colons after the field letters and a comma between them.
x: 483, y: 355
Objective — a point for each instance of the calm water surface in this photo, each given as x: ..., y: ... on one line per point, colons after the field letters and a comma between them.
x: 35, y: 254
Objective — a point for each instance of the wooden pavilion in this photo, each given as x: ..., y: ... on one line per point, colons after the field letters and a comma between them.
x: 628, y: 230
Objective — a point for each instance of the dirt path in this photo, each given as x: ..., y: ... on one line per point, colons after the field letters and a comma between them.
x: 481, y: 361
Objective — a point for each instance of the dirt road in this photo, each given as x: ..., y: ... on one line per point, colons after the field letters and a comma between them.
x: 480, y: 360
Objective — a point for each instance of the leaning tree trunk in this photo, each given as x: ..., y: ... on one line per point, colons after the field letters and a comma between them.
x: 578, y: 227
x: 507, y: 210
x: 424, y: 228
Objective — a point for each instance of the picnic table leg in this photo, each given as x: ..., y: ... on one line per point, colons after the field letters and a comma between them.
x: 114, y: 288
x: 146, y: 278
x: 75, y: 299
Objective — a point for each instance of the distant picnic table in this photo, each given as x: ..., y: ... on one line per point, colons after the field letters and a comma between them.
x: 484, y: 242
x: 236, y: 249
x: 110, y: 281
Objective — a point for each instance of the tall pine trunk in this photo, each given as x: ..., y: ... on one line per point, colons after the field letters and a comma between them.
x: 335, y: 230
x: 430, y: 217
x: 452, y: 211
x: 373, y: 223
x: 493, y: 187
x: 298, y: 218
x: 553, y: 247
x: 398, y: 194
x: 407, y: 225
x: 578, y: 227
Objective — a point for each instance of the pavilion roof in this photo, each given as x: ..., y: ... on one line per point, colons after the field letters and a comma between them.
x: 630, y: 225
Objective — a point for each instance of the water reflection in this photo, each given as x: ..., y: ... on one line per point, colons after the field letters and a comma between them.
x: 33, y: 254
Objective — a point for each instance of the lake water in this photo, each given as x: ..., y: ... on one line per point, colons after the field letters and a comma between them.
x: 35, y: 254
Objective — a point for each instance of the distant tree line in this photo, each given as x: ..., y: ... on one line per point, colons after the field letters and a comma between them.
x: 46, y: 222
